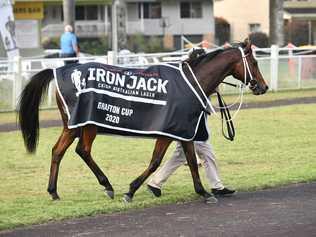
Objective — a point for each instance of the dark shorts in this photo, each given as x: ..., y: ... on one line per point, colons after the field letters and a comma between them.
x: 69, y: 55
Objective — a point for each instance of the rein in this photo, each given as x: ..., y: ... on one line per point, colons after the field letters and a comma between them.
x: 224, y: 109
x: 226, y: 114
x: 230, y: 84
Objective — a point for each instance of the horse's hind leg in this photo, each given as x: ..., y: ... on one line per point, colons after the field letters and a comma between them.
x: 161, y: 147
x: 188, y: 148
x: 58, y: 151
x: 83, y: 149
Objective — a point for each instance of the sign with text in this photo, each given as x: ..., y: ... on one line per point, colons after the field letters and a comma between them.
x: 155, y: 101
x: 8, y: 29
x: 27, y: 34
x: 29, y: 10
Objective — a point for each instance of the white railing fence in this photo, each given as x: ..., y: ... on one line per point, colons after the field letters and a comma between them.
x: 288, y: 68
x: 282, y: 69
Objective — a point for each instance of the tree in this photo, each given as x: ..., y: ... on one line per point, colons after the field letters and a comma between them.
x: 259, y: 39
x: 69, y: 12
x: 276, y: 22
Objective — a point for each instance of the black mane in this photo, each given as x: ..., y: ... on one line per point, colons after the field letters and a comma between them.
x: 209, y: 56
x: 204, y: 57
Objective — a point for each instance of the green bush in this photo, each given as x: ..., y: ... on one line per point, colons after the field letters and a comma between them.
x: 148, y: 44
x: 95, y: 46
x: 51, y: 43
x: 98, y: 46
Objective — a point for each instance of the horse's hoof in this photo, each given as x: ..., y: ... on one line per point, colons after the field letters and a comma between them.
x: 210, y: 200
x: 110, y: 193
x: 127, y: 198
x: 55, y: 196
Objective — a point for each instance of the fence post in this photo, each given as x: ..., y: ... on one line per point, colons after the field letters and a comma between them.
x: 112, y: 58
x: 299, y: 72
x: 274, y: 63
x: 17, y: 85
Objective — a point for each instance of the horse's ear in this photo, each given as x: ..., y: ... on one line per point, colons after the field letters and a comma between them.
x: 247, y: 45
x: 196, y: 52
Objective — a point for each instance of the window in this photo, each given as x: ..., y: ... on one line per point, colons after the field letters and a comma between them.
x: 79, y: 12
x: 54, y: 12
x: 190, y: 9
x: 254, y: 27
x: 149, y: 10
x: 92, y: 12
x: 88, y: 12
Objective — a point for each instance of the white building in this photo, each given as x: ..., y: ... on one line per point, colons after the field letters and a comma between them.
x: 168, y: 19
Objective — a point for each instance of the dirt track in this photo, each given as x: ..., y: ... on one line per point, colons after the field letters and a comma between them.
x: 288, y: 211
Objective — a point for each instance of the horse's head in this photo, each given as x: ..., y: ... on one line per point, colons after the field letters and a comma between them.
x: 247, y: 70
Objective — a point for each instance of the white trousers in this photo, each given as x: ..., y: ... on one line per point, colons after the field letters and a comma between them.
x: 205, y: 153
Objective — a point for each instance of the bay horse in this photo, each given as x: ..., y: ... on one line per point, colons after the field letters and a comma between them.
x: 209, y: 69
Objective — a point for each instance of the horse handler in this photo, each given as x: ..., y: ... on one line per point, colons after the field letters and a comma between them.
x: 204, y: 150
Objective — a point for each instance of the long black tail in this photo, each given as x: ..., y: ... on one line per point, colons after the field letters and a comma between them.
x: 30, y: 100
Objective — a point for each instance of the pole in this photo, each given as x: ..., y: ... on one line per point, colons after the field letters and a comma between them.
x: 310, y: 32
x: 299, y: 72
x: 17, y: 88
x: 69, y: 12
x: 274, y: 73
x: 276, y: 12
x: 114, y: 30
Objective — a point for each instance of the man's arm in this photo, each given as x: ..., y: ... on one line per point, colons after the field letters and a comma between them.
x: 75, y: 45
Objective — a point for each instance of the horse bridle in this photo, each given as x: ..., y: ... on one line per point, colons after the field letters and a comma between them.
x: 253, y: 84
x: 223, y: 107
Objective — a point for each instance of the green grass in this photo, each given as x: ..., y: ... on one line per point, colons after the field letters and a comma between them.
x: 273, y: 147
x: 11, y: 117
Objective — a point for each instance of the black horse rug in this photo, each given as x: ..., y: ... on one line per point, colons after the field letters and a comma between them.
x: 150, y: 102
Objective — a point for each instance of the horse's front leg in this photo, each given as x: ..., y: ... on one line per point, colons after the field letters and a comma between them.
x: 188, y: 148
x: 161, y: 147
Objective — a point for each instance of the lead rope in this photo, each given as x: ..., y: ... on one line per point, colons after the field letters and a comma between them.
x: 229, y: 122
x: 242, y: 86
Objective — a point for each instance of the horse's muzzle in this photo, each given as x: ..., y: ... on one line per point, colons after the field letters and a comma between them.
x: 259, y: 90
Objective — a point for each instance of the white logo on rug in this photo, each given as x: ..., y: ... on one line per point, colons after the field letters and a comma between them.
x: 75, y: 78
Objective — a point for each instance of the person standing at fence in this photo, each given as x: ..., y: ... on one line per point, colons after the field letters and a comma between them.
x: 69, y: 45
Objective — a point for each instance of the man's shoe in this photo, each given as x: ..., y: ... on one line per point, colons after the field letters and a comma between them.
x: 225, y: 192
x: 155, y: 191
